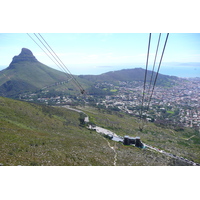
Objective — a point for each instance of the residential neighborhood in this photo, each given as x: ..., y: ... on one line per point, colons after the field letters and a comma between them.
x: 179, y: 104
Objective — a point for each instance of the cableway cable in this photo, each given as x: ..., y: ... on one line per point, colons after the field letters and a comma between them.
x: 64, y: 70
x: 60, y: 63
x: 157, y: 71
x: 64, y: 66
x: 154, y: 63
x: 145, y: 76
x: 142, y: 106
x: 50, y: 53
x: 46, y: 53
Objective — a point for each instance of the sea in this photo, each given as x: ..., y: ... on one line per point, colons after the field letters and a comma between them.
x: 183, y: 72
x: 180, y: 71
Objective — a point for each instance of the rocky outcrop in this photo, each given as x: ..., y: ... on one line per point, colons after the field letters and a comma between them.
x: 25, y: 55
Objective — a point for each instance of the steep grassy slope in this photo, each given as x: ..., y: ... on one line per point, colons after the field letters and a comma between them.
x: 175, y: 142
x: 32, y: 134
x: 26, y: 74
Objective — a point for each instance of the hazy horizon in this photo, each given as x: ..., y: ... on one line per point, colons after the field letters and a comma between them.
x: 189, y: 71
x: 97, y: 53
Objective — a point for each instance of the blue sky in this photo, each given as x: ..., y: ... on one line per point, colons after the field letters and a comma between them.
x: 95, y: 53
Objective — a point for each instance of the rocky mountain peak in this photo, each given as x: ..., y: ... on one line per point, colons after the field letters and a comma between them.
x: 25, y: 55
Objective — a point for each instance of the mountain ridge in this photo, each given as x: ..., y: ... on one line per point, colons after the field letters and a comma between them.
x: 135, y: 74
x: 25, y: 72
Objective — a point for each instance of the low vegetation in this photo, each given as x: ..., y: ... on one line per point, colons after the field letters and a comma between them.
x: 183, y: 143
x: 32, y: 134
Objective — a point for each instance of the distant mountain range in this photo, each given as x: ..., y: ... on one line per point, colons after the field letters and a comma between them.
x: 25, y: 73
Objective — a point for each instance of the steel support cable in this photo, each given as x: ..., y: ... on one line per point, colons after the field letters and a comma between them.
x: 61, y: 67
x: 45, y: 52
x: 154, y: 63
x: 145, y: 77
x: 141, y: 127
x: 78, y: 84
x: 157, y: 71
x: 57, y: 56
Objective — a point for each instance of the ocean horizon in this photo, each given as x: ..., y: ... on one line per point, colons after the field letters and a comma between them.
x: 179, y: 71
x: 183, y: 72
